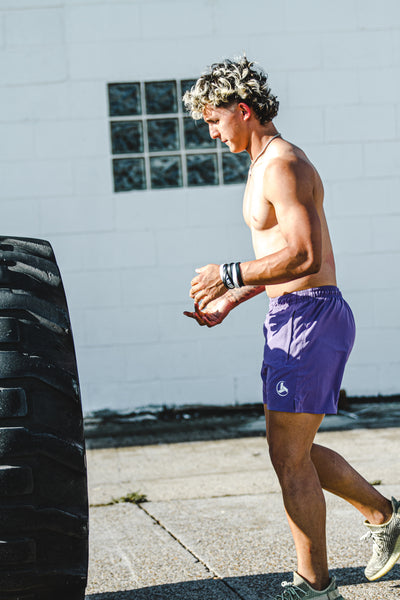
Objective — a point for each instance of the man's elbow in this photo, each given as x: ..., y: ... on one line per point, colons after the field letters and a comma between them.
x: 316, y: 267
x: 310, y: 263
x: 313, y: 264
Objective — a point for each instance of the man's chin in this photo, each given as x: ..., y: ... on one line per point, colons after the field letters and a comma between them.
x: 234, y: 149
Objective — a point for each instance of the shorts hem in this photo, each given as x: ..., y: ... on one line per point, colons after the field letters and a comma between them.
x: 302, y: 411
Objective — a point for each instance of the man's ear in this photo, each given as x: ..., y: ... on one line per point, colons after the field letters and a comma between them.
x: 245, y: 110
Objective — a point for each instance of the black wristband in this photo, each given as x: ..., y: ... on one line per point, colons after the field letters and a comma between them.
x: 239, y: 274
x: 226, y: 276
x: 231, y: 276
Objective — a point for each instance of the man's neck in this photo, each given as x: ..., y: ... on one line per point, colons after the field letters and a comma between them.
x: 259, y: 138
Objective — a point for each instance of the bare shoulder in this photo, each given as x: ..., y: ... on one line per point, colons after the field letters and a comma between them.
x: 288, y: 159
x: 288, y: 168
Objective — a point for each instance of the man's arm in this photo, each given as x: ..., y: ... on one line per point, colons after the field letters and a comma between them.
x: 218, y: 309
x: 288, y: 186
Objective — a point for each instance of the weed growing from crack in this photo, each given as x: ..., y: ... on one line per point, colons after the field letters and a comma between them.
x: 132, y: 498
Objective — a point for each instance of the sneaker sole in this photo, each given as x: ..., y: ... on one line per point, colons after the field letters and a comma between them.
x: 389, y: 565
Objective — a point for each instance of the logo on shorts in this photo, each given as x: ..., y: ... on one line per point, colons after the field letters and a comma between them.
x: 281, y: 388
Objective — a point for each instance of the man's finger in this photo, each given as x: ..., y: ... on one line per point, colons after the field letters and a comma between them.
x: 201, y: 317
x: 194, y: 316
x: 197, y: 309
x: 195, y: 288
x: 208, y: 321
x: 194, y: 291
x: 200, y: 296
x: 205, y: 299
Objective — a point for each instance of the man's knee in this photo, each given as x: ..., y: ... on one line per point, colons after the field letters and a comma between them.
x: 286, y: 459
x: 290, y: 439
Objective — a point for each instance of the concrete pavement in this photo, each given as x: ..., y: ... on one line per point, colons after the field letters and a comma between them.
x: 214, y: 528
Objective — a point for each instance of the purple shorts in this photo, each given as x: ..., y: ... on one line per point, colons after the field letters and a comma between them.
x: 308, y: 338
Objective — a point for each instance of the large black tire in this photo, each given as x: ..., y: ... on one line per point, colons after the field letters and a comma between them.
x: 43, y: 486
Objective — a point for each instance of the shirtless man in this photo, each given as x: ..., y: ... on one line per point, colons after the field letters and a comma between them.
x: 309, y: 330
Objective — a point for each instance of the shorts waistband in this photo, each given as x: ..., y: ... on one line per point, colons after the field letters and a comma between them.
x: 325, y: 291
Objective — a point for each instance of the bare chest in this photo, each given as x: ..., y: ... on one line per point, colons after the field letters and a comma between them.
x: 258, y: 212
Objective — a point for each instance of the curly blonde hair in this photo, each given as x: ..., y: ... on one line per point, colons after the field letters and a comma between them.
x: 229, y: 82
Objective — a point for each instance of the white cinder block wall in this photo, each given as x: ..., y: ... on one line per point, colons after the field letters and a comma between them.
x: 127, y: 258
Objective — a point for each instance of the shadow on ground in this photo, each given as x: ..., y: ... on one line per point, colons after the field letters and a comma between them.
x: 109, y: 429
x: 254, y: 587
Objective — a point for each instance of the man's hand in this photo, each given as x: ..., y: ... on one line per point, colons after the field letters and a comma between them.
x: 214, y: 314
x: 207, y: 286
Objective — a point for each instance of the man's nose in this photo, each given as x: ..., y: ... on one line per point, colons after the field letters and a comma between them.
x: 214, y: 133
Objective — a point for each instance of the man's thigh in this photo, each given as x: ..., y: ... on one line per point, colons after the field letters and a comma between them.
x: 291, y: 433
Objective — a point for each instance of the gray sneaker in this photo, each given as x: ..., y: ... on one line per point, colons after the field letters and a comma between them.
x: 301, y: 590
x: 386, y: 545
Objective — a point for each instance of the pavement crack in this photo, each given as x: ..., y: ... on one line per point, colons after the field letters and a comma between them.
x: 209, y: 569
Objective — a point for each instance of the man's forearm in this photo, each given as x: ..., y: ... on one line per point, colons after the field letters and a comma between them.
x: 239, y: 295
x: 280, y: 267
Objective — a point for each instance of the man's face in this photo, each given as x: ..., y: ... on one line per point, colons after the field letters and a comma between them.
x: 227, y: 123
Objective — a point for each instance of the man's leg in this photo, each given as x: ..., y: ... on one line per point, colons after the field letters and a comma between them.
x: 339, y: 478
x: 291, y: 448
x: 290, y: 437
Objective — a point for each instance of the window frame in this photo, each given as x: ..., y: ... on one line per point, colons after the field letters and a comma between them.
x: 182, y: 152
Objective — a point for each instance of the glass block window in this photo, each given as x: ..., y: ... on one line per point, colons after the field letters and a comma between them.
x: 155, y: 145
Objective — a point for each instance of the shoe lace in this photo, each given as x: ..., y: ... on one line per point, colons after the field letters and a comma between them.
x: 377, y: 539
x: 292, y: 592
